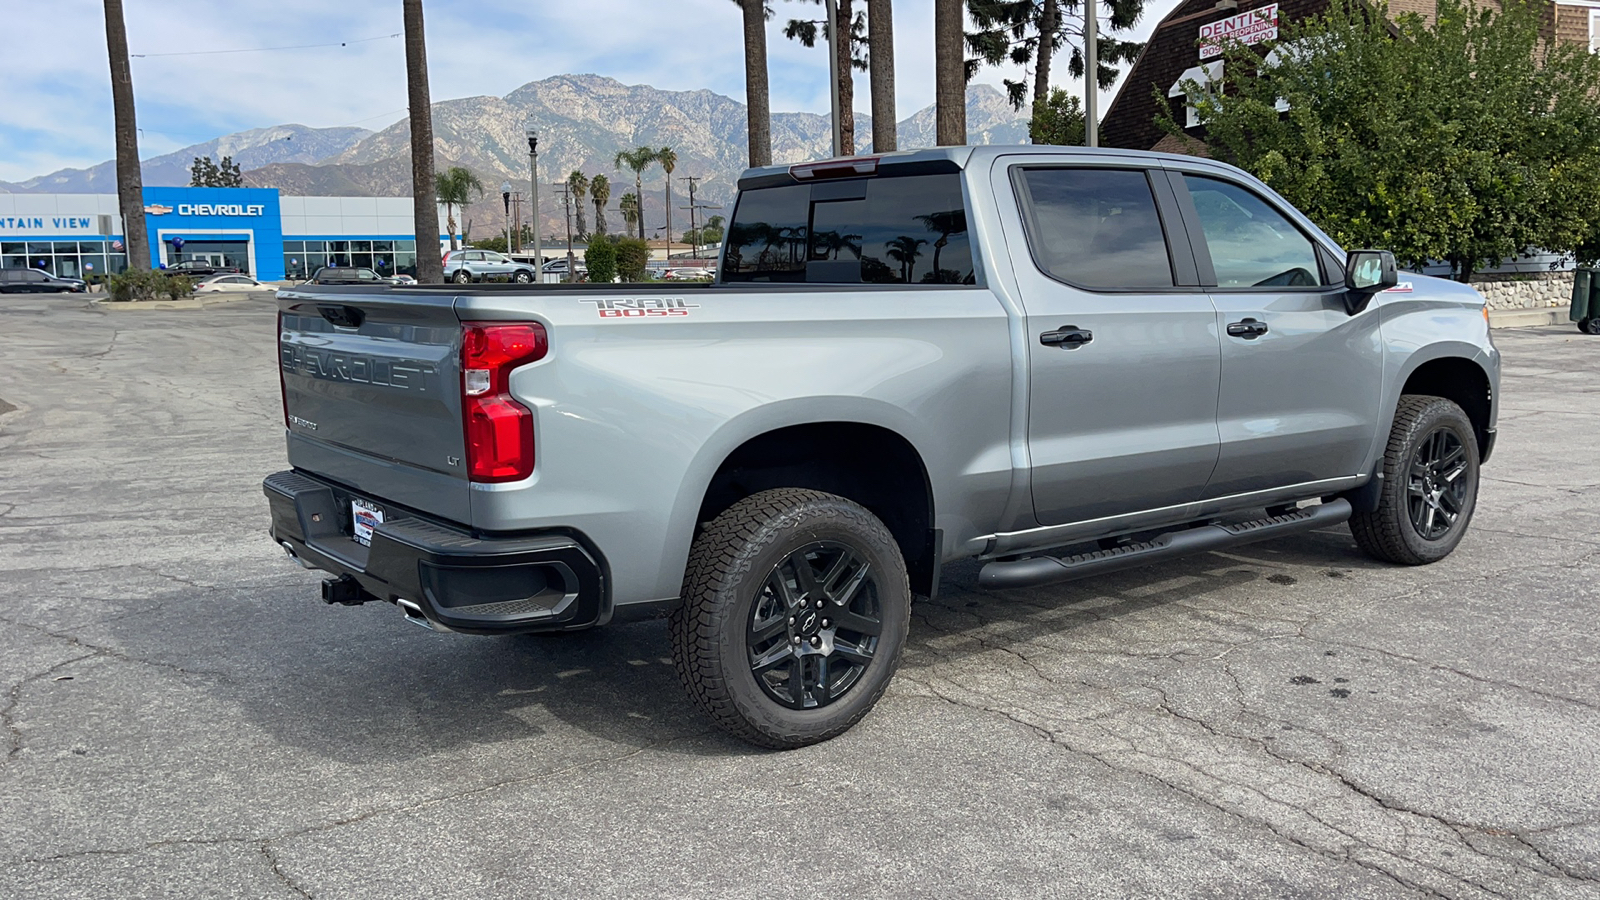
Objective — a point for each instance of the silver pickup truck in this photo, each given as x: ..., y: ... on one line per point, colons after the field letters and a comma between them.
x: 1057, y: 361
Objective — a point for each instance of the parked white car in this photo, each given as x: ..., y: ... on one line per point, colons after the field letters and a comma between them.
x: 231, y: 283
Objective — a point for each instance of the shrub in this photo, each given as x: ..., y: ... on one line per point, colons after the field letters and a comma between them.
x: 632, y: 255
x: 601, y: 258
x: 146, y: 284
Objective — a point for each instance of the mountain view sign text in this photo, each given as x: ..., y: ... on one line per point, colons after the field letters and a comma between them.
x: 1249, y: 27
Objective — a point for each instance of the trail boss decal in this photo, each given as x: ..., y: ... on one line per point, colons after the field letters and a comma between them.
x: 642, y: 307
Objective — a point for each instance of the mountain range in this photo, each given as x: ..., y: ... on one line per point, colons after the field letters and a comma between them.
x: 582, y: 121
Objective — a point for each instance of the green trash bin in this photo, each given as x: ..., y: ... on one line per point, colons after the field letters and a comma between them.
x: 1586, y: 300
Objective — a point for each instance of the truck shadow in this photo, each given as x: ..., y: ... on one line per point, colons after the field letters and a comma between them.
x: 376, y: 689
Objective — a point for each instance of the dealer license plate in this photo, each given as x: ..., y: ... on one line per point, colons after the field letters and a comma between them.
x: 366, y: 517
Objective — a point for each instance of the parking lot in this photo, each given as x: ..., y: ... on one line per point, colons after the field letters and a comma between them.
x: 185, y: 719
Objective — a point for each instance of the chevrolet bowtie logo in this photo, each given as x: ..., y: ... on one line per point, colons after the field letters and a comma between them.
x: 157, y: 209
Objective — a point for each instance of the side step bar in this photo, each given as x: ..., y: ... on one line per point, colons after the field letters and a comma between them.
x: 1039, y: 570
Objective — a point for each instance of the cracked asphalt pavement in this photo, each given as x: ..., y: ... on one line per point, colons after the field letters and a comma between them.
x: 184, y: 718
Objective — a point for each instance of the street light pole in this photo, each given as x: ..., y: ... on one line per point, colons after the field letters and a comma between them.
x: 505, y: 194
x: 533, y: 168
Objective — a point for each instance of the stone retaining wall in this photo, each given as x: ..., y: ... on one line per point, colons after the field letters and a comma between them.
x: 1525, y: 291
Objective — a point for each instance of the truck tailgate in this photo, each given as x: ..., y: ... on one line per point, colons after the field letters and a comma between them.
x: 371, y: 387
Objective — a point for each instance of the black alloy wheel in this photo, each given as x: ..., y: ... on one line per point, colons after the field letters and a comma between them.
x: 815, y: 625
x: 796, y: 606
x: 1427, y: 487
x: 1589, y: 326
x: 1436, y: 492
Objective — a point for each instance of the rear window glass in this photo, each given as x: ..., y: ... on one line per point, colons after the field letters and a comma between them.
x: 885, y: 230
x: 1096, y: 228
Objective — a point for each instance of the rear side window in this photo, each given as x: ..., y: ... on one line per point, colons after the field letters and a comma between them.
x: 1096, y: 228
x: 885, y: 230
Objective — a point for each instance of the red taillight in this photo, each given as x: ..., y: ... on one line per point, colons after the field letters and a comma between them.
x: 499, y: 430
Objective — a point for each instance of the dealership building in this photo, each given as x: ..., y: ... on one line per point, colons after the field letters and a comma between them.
x: 270, y: 236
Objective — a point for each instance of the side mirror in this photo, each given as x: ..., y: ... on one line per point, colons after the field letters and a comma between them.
x: 1367, y: 272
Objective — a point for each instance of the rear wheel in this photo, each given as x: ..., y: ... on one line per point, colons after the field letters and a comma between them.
x: 1430, y: 485
x: 1589, y: 326
x: 462, y: 276
x: 796, y: 607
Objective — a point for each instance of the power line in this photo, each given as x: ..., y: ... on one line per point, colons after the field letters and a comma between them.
x: 381, y: 37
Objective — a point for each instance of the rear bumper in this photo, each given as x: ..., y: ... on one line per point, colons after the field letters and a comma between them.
x: 454, y: 579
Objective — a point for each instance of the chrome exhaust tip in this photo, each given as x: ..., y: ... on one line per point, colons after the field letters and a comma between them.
x: 413, y: 614
x: 289, y: 549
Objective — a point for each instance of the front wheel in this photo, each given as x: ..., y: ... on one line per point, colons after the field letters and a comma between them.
x: 1430, y: 484
x: 796, y: 607
x: 462, y: 276
x: 522, y: 278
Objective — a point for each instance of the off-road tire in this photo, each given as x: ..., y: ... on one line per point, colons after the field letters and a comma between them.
x: 462, y: 276
x: 729, y: 566
x: 1388, y: 532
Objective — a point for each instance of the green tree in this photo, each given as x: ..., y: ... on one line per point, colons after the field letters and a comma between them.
x: 629, y: 207
x: 1024, y: 32
x: 496, y: 243
x: 578, y: 184
x: 1470, y: 141
x: 455, y: 187
x: 600, y: 193
x: 601, y: 258
x: 710, y: 233
x: 632, y: 255
x: 205, y: 173
x: 1059, y: 120
x: 637, y: 160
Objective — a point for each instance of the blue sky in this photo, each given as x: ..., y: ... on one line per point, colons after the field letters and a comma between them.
x: 57, y: 111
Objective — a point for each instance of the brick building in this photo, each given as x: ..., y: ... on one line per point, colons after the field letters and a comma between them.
x: 1175, y: 52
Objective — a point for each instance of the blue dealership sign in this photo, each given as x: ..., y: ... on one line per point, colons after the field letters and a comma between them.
x: 176, y: 215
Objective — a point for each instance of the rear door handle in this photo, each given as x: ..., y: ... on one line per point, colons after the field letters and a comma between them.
x: 1249, y: 329
x: 1067, y: 337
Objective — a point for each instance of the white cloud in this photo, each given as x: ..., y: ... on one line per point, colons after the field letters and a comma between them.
x: 58, y: 105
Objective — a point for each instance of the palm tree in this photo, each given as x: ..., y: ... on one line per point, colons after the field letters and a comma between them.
x: 904, y: 250
x: 758, y: 102
x: 949, y: 72
x: 130, y: 181
x: 668, y: 158
x: 455, y: 187
x: 637, y: 159
x: 629, y: 204
x: 880, y: 59
x: 578, y: 184
x: 424, y: 209
x: 600, y: 192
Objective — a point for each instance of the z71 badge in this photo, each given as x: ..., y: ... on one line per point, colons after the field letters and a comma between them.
x: 642, y: 308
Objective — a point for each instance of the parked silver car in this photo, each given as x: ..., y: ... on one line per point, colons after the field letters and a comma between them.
x: 465, y: 266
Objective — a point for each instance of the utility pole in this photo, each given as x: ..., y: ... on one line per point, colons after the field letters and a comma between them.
x: 566, y: 199
x: 693, y: 229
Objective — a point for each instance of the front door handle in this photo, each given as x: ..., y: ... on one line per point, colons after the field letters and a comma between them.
x: 1249, y: 329
x: 1067, y: 337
